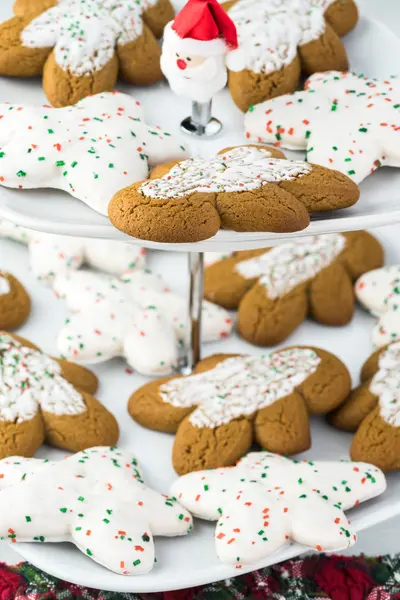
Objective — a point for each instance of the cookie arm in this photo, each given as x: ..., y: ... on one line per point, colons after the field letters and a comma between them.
x: 17, y: 60
x: 139, y: 60
x: 331, y: 296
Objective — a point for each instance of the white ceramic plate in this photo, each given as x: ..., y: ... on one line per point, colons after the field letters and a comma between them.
x: 189, y: 561
x: 57, y: 212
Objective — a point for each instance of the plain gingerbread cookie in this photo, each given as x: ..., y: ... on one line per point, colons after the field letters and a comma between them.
x: 232, y: 401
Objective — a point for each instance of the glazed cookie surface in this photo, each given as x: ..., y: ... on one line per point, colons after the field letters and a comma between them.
x: 243, y: 189
x: 15, y: 303
x: 89, y: 150
x: 379, y: 292
x: 275, y: 289
x: 267, y: 500
x: 135, y: 316
x: 344, y: 121
x: 51, y: 255
x: 81, y: 47
x: 96, y: 500
x: 278, y: 40
x: 372, y: 411
x: 45, y: 399
x: 232, y: 401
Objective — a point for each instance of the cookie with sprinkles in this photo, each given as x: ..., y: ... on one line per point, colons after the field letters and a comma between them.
x: 51, y: 255
x: 247, y: 188
x: 275, y: 289
x: 96, y: 500
x: 280, y: 39
x: 372, y: 410
x: 15, y: 302
x: 82, y: 46
x: 90, y: 150
x: 266, y: 501
x: 231, y: 402
x: 136, y: 317
x: 344, y: 121
x: 379, y: 292
x: 43, y: 399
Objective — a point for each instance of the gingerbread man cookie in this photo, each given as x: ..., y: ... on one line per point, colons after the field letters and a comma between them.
x: 96, y: 500
x: 379, y: 292
x: 136, y: 317
x: 232, y: 401
x: 90, y: 150
x: 51, y: 255
x: 280, y: 39
x: 344, y: 121
x: 45, y: 399
x: 81, y: 47
x: 373, y: 411
x: 274, y: 289
x: 248, y: 188
x: 268, y: 500
x: 15, y: 303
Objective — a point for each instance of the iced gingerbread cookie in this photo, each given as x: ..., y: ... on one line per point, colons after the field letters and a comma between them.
x: 275, y: 289
x: 344, y: 121
x: 15, y: 303
x: 51, y: 255
x: 232, y: 401
x: 43, y: 399
x: 266, y: 501
x: 81, y: 47
x: 247, y: 188
x: 379, y: 292
x: 136, y: 317
x: 373, y: 411
x: 90, y: 150
x: 96, y: 500
x: 280, y: 39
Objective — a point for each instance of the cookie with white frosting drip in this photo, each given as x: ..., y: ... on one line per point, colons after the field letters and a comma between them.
x: 247, y: 188
x: 231, y: 402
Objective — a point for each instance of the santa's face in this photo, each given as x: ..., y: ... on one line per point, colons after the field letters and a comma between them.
x: 184, y: 62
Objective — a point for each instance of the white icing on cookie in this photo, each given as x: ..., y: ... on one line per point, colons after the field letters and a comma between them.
x: 95, y: 499
x: 267, y: 500
x: 29, y: 380
x: 136, y: 317
x: 5, y: 287
x: 283, y: 267
x: 240, y: 386
x: 386, y: 385
x: 269, y: 32
x: 90, y: 150
x: 85, y: 33
x: 344, y: 121
x: 240, y: 169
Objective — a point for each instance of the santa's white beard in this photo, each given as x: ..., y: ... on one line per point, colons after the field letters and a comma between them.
x: 199, y: 84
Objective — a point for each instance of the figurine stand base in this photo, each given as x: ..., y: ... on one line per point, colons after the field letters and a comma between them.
x: 201, y: 124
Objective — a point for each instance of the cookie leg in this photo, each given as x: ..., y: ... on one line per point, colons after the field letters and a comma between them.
x: 377, y: 442
x: 362, y: 253
x: 342, y: 16
x: 331, y: 296
x: 15, y: 303
x: 21, y: 439
x: 326, y: 53
x: 268, y: 321
x: 78, y: 376
x: 63, y: 88
x: 353, y: 411
x: 284, y: 426
x: 139, y: 61
x: 17, y: 60
x: 94, y: 427
x: 248, y: 87
x: 156, y: 17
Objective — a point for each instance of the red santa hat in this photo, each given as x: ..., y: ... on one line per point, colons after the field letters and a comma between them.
x: 201, y: 28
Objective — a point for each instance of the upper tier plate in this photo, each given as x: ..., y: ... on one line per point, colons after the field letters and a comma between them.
x: 372, y: 50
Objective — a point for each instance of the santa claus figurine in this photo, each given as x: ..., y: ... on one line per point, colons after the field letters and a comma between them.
x: 194, y: 50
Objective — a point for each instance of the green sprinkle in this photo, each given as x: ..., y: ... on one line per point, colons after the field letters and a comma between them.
x: 21, y: 174
x: 63, y: 510
x: 136, y: 562
x: 28, y: 519
x: 60, y: 163
x: 89, y: 552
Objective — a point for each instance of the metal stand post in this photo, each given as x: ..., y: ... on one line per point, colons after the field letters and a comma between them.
x: 201, y: 123
x: 193, y: 345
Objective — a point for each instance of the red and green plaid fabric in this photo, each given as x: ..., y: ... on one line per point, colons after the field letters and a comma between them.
x: 313, y: 577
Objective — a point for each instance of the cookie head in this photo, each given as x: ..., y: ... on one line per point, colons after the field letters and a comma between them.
x: 232, y: 401
x: 15, y: 303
